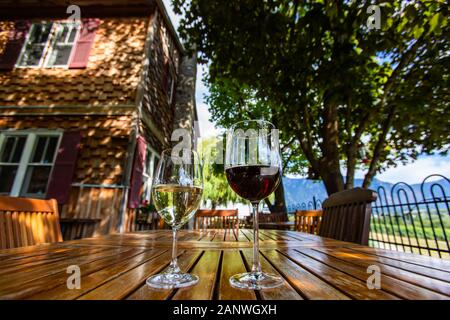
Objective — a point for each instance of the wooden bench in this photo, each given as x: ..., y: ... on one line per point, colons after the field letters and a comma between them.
x: 27, y: 222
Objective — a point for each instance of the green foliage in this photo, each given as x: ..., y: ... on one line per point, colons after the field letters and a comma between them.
x: 331, y: 84
x: 231, y: 102
x: 216, y: 188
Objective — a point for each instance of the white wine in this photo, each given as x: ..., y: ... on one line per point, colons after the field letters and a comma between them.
x: 176, y: 204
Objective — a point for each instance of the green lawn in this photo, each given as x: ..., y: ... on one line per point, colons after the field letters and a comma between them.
x: 413, y: 226
x: 409, y: 231
x: 421, y: 242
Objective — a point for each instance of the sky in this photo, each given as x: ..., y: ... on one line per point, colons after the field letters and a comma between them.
x: 413, y: 172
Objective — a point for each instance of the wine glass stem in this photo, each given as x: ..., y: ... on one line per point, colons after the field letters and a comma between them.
x: 173, y: 268
x: 256, y: 265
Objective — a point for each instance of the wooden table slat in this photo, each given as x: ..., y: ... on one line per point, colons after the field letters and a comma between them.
x: 428, y: 262
x: 409, y: 276
x: 90, y: 281
x: 44, y: 270
x: 397, y: 287
x: 283, y: 292
x: 206, y: 269
x: 232, y: 264
x: 122, y: 286
x: 307, y: 283
x: 185, y: 262
x: 23, y: 286
x: 354, y: 287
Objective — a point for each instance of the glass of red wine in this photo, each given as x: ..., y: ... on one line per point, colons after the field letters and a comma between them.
x: 253, y: 171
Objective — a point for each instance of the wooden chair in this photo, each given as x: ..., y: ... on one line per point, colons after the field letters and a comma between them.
x: 273, y: 217
x: 266, y: 218
x: 346, y: 215
x: 27, y: 222
x: 216, y: 219
x: 308, y: 221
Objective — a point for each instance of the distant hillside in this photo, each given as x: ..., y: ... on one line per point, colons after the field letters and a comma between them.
x: 299, y: 192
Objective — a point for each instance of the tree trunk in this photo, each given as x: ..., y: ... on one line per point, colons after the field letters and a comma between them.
x: 329, y: 169
x: 279, y: 206
x: 333, y: 181
x: 378, y: 148
x: 351, y: 166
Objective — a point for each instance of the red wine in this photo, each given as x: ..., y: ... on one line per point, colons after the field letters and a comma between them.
x: 253, y: 183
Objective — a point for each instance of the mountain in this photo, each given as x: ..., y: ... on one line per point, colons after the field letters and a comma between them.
x: 300, y: 192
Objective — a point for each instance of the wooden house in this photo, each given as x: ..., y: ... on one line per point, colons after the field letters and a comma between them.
x: 87, y: 105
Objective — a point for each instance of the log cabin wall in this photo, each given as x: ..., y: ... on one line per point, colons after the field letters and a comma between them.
x: 97, y: 189
x: 110, y: 78
x: 114, y: 98
x: 101, y: 102
x: 157, y: 109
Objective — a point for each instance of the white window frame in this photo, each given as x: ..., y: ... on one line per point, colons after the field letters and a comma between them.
x: 53, y: 43
x: 24, y: 162
x: 149, y: 177
x: 48, y: 48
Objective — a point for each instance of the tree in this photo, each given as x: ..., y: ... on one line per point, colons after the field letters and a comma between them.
x: 231, y: 102
x: 215, y: 185
x: 348, y: 95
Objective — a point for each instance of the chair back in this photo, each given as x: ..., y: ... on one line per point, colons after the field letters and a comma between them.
x: 216, y: 219
x: 346, y: 215
x: 308, y: 221
x: 273, y: 217
x: 27, y: 222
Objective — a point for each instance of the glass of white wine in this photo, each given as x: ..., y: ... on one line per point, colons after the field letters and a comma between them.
x: 177, y: 191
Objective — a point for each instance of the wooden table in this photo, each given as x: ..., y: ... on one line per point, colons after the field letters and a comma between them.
x: 116, y: 266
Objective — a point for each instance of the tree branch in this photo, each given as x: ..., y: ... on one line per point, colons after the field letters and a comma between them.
x: 389, y: 85
x: 379, y: 147
x: 352, y: 149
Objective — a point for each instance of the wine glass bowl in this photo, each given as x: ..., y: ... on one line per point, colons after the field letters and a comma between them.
x: 253, y: 170
x: 176, y: 191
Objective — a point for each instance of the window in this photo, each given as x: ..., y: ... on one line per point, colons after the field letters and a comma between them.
x: 26, y: 162
x: 170, y: 86
x: 150, y: 167
x: 49, y: 45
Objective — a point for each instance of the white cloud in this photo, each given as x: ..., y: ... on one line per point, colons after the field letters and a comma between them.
x: 416, y: 171
x: 413, y: 172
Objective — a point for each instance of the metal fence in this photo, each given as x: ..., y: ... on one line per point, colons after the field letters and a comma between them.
x: 413, y: 219
x: 409, y: 218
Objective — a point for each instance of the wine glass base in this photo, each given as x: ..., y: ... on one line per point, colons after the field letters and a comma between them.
x: 255, y: 280
x: 172, y: 280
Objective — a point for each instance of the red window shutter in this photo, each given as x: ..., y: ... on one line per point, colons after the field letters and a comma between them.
x: 16, y: 39
x: 80, y: 56
x: 64, y: 168
x: 137, y: 175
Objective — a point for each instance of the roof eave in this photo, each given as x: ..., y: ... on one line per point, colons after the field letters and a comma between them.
x: 167, y: 20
